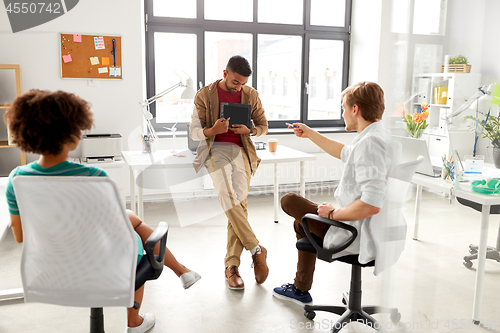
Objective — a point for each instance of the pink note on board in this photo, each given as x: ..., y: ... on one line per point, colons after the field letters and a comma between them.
x: 77, y: 38
x: 67, y: 58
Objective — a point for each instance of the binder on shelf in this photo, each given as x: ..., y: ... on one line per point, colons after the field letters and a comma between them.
x: 423, y: 86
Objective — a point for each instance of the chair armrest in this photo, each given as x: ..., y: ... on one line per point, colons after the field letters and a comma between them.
x: 159, y: 235
x: 322, y: 253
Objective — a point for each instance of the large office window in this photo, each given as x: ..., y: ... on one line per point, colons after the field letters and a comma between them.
x: 172, y: 108
x: 279, y: 57
x: 299, y: 55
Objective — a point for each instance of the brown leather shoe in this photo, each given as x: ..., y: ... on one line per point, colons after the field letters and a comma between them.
x: 260, y: 266
x: 233, y: 278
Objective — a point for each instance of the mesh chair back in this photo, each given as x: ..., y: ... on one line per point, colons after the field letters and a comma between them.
x: 388, y: 227
x: 79, y: 246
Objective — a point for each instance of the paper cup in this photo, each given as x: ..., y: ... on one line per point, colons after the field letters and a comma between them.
x: 272, y: 145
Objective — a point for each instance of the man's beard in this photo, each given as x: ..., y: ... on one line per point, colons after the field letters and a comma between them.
x: 232, y: 90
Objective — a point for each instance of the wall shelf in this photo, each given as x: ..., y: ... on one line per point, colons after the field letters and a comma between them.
x: 16, y: 88
x: 454, y: 90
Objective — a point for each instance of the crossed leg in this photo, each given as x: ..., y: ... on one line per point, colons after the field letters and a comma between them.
x: 144, y: 231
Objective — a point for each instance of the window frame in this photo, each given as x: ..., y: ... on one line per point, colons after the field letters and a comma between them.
x: 199, y: 26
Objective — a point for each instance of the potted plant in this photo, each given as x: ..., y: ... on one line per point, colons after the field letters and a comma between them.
x: 457, y: 64
x: 458, y: 60
x: 490, y: 126
x: 416, y: 124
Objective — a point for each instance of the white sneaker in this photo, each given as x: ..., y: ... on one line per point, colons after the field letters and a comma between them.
x: 189, y: 278
x: 147, y: 323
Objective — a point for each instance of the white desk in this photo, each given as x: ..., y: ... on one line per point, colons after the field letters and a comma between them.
x: 462, y: 190
x: 139, y: 161
x: 421, y: 181
x: 285, y: 154
x: 115, y: 170
x: 16, y: 293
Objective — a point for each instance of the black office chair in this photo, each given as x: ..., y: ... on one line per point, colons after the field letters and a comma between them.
x: 149, y: 268
x: 352, y: 309
x: 79, y: 247
x: 492, y: 253
x: 393, y: 235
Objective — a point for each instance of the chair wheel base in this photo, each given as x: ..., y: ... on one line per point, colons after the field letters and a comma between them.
x: 467, y: 263
x: 395, y: 317
x: 310, y: 314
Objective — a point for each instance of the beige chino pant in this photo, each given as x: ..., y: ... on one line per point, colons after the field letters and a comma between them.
x: 230, y: 171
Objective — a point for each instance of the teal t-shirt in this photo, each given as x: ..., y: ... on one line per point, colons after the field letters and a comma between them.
x: 65, y: 168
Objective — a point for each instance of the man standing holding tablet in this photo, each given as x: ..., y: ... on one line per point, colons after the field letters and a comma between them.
x: 230, y: 158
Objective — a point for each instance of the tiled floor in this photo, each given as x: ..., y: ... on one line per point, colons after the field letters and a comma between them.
x: 431, y: 287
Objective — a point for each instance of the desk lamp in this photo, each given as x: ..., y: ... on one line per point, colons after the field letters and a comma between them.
x: 485, y: 96
x: 486, y: 99
x: 188, y: 93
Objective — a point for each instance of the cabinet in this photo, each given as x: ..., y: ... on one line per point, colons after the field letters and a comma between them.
x: 10, y: 88
x: 116, y: 170
x: 445, y: 93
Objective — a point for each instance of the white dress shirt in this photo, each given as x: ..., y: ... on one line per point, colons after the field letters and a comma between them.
x: 368, y: 162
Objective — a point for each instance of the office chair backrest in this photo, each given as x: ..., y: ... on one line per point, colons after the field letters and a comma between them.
x: 388, y: 227
x: 79, y: 246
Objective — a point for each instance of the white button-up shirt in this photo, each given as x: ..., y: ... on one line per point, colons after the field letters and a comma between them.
x: 368, y: 162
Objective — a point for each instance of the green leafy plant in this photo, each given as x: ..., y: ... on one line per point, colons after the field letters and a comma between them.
x: 459, y: 59
x: 491, y: 129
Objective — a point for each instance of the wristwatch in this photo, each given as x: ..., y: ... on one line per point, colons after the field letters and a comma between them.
x: 251, y: 129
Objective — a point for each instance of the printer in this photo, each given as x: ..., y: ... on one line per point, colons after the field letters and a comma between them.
x: 101, y: 147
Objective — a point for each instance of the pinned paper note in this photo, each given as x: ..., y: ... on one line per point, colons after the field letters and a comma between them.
x: 77, y: 38
x: 67, y: 58
x: 103, y: 70
x: 94, y: 60
x: 105, y: 61
x: 99, y: 43
x: 115, y: 71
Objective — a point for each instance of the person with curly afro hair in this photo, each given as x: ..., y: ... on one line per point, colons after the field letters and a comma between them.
x: 50, y: 124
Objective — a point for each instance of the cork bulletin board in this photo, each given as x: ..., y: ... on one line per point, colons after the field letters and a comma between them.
x: 91, y: 56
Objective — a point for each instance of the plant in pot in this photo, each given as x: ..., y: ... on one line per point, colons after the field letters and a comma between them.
x: 458, y: 60
x: 457, y: 64
x: 416, y: 124
x: 489, y: 126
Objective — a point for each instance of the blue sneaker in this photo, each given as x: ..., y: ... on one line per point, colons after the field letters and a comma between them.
x: 285, y: 292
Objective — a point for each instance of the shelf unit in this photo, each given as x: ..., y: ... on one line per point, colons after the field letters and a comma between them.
x: 445, y: 93
x: 4, y: 105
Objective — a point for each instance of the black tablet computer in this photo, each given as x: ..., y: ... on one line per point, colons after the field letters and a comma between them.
x: 239, y: 113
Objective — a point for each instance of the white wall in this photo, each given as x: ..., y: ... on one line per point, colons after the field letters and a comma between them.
x: 472, y: 30
x: 115, y: 104
x: 365, y: 40
x: 465, y: 30
x: 490, y: 51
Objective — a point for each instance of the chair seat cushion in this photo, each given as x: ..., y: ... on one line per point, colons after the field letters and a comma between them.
x: 304, y: 244
x: 494, y: 209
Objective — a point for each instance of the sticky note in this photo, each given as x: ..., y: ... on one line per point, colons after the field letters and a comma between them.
x: 67, y: 58
x: 105, y: 61
x: 94, y: 60
x: 115, y: 71
x: 77, y: 38
x: 103, y: 70
x: 99, y: 43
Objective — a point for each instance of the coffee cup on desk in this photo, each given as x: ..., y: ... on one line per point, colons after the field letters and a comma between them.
x: 272, y: 145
